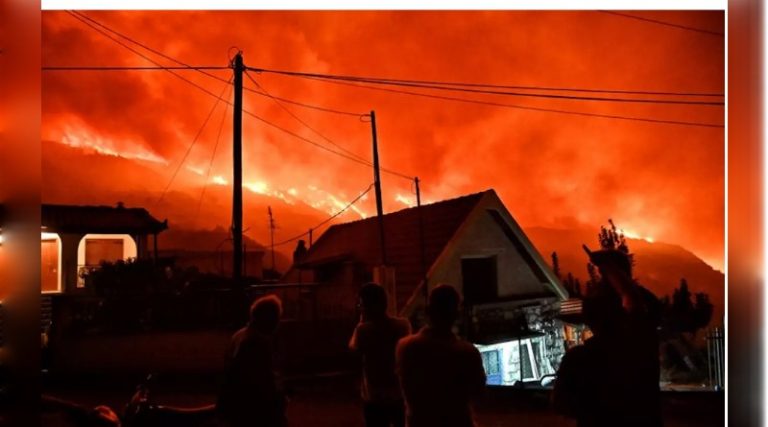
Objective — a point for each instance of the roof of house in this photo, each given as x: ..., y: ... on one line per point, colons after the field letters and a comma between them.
x: 359, y: 240
x: 99, y: 219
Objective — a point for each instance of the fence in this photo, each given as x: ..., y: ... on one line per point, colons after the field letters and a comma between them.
x: 716, y: 358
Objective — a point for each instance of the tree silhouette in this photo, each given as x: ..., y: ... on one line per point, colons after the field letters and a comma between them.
x: 594, y: 276
x: 702, y: 311
x: 572, y: 285
x: 684, y: 314
x: 556, y: 265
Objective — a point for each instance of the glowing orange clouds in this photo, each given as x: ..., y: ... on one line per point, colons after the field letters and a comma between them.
x: 555, y: 170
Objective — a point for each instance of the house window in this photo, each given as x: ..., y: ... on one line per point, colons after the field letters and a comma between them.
x: 97, y: 248
x: 530, y: 361
x: 100, y: 250
x: 491, y: 361
x: 479, y: 279
x: 492, y: 366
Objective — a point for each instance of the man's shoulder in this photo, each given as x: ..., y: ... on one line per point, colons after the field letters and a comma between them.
x: 240, y: 334
x: 465, y: 347
x: 401, y: 324
x: 409, y: 341
x: 579, y: 351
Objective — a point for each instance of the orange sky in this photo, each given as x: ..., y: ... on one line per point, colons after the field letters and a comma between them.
x: 656, y: 180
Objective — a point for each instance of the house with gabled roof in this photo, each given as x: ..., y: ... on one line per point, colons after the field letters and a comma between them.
x: 472, y: 243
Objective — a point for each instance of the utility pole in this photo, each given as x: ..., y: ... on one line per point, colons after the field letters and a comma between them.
x: 237, y: 171
x: 272, y: 235
x: 422, y: 249
x: 310, y: 238
x: 377, y: 187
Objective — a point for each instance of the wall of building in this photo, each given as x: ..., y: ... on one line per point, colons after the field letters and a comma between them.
x: 534, y: 315
x: 483, y: 237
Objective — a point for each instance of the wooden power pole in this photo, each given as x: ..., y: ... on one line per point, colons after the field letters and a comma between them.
x: 237, y: 171
x: 422, y: 249
x: 272, y: 235
x: 377, y: 188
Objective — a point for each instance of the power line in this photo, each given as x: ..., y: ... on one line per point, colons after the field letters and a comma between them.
x: 541, y: 88
x: 219, y: 97
x: 656, y: 21
x: 524, y: 107
x: 331, y: 218
x: 518, y: 87
x: 213, y: 156
x: 130, y: 39
x: 310, y: 106
x: 448, y: 87
x: 131, y: 68
x: 194, y: 141
x: 321, y: 146
x: 145, y: 57
x: 185, y: 66
x: 298, y: 119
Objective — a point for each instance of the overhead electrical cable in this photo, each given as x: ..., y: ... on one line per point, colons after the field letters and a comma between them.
x: 448, y: 87
x: 202, y: 69
x: 191, y: 145
x: 145, y: 57
x: 298, y: 119
x: 659, y: 22
x: 517, y: 87
x: 331, y: 218
x: 213, y: 156
x: 130, y: 68
x: 219, y: 97
x: 524, y: 107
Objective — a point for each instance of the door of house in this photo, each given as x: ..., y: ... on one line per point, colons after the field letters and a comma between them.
x: 479, y: 279
x: 49, y: 265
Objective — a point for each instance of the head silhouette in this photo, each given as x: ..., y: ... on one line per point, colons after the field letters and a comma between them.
x: 265, y: 313
x: 602, y: 309
x: 373, y: 300
x: 443, y: 306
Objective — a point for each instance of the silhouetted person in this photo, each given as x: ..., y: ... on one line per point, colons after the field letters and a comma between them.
x: 613, y: 378
x: 439, y: 373
x: 300, y: 252
x: 375, y: 338
x: 250, y: 395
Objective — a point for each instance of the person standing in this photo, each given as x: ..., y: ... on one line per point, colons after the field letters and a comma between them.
x: 613, y: 378
x: 251, y: 394
x: 440, y: 373
x: 375, y: 338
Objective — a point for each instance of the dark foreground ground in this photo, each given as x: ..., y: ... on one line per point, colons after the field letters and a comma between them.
x: 333, y: 402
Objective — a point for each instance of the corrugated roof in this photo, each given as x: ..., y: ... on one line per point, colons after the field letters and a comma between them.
x: 359, y: 240
x: 99, y: 219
